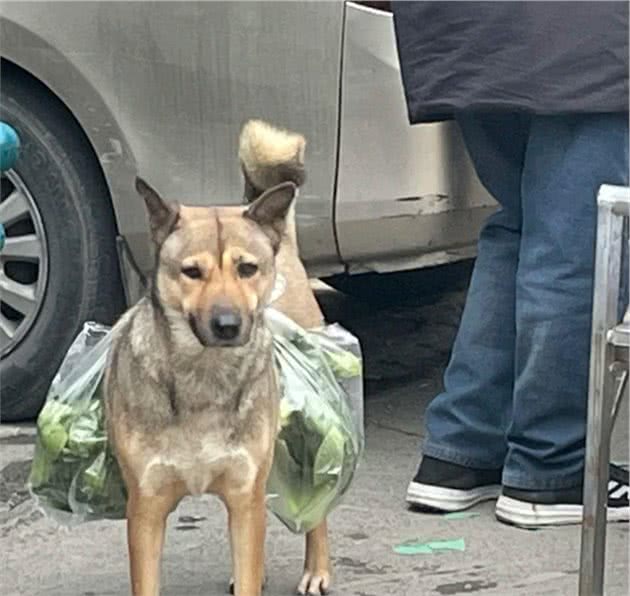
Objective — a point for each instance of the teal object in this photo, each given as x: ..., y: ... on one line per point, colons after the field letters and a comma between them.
x: 9, y: 146
x: 2, y: 237
x: 413, y: 547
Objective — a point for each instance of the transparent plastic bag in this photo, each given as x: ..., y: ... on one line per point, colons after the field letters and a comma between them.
x: 342, y: 351
x: 75, y: 475
x: 74, y: 470
x: 320, y: 440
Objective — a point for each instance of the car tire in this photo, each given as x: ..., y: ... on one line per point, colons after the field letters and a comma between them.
x: 59, y: 169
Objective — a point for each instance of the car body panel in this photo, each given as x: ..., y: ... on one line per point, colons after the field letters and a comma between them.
x: 406, y: 196
x: 163, y: 88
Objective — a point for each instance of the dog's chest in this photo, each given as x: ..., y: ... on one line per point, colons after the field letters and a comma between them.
x: 195, y: 457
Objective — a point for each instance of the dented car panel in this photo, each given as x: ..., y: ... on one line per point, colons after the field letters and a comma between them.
x: 409, y: 193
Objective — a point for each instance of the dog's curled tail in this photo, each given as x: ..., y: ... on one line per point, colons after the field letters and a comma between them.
x: 270, y: 156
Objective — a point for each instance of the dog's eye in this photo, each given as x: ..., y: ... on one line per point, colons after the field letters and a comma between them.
x: 247, y: 269
x: 193, y: 272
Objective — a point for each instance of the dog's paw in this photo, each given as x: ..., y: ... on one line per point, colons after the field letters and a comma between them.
x: 314, y: 583
x: 231, y: 588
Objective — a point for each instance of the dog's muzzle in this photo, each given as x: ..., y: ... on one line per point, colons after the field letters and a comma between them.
x: 225, y: 327
x: 225, y: 323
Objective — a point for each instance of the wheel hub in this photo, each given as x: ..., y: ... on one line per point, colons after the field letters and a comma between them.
x: 23, y: 261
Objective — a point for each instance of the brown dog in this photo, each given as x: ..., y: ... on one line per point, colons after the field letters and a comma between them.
x: 191, y: 390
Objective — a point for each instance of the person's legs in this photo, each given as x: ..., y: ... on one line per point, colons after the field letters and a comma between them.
x: 466, y: 424
x: 567, y: 159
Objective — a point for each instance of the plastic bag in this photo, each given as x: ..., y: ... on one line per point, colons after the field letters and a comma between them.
x: 73, y: 468
x: 75, y: 475
x: 321, y: 424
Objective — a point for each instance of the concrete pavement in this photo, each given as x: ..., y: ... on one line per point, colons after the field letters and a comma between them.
x: 406, y: 346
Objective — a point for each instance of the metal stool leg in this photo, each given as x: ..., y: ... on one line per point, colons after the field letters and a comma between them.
x: 621, y: 377
x: 602, y: 387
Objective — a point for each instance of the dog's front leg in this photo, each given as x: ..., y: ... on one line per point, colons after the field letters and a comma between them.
x: 146, y: 523
x: 316, y: 579
x: 247, y: 519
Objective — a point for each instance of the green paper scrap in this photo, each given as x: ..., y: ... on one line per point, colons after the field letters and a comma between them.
x: 461, y: 515
x: 413, y: 547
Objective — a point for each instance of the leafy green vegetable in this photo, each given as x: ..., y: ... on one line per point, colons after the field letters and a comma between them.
x: 95, y: 475
x: 343, y: 364
x: 52, y: 424
x: 330, y: 457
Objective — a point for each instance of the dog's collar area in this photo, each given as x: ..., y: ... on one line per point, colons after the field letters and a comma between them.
x: 279, y: 287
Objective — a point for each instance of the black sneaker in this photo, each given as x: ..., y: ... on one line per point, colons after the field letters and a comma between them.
x: 535, y: 509
x: 444, y: 486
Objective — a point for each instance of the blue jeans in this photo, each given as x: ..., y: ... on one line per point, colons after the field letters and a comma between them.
x: 515, y: 390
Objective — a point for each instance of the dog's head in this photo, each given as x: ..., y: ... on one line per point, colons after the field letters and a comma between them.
x: 216, y: 266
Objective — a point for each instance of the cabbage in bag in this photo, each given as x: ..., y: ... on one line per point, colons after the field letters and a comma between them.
x: 73, y: 468
x: 320, y: 441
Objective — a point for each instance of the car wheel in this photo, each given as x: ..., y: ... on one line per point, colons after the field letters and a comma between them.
x: 59, y: 266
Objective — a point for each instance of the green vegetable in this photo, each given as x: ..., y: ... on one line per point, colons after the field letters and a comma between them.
x: 330, y: 457
x: 52, y: 424
x: 95, y: 475
x: 86, y: 435
x: 41, y: 467
x: 54, y: 438
x: 343, y: 364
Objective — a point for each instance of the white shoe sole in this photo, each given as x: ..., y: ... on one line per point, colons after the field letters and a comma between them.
x: 449, y: 499
x: 531, y: 515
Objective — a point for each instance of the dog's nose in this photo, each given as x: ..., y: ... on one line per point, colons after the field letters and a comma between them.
x: 225, y: 323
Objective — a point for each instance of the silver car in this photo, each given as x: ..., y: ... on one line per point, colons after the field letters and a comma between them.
x: 101, y: 91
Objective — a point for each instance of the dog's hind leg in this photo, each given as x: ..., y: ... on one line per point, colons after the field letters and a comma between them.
x: 247, y: 519
x: 316, y: 579
x: 146, y: 523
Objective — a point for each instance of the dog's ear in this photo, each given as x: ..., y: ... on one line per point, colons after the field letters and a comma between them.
x: 270, y: 211
x: 162, y: 215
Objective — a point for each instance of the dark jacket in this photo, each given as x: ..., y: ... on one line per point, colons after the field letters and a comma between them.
x: 537, y: 57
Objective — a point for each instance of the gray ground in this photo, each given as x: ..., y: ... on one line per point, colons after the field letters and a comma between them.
x: 406, y: 346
